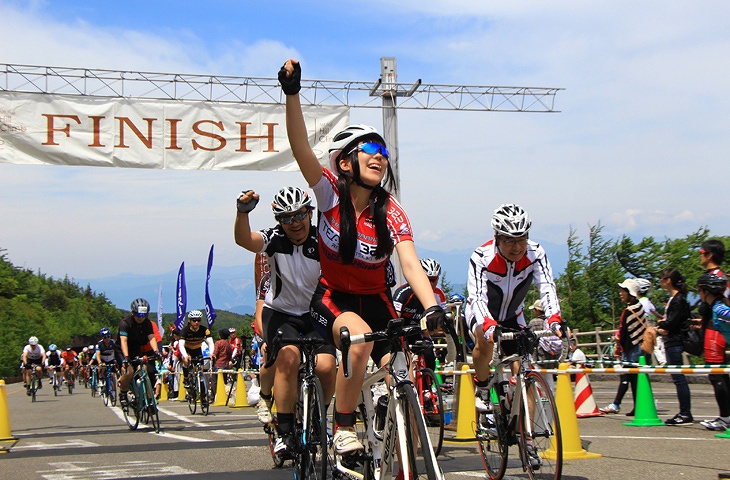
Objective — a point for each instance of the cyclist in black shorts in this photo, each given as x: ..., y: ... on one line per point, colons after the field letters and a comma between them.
x: 293, y: 259
x: 136, y: 338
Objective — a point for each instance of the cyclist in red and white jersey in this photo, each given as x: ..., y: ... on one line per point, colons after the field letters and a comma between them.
x: 360, y: 225
x: 500, y: 274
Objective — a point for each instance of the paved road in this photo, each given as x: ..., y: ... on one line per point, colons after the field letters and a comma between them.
x: 76, y: 437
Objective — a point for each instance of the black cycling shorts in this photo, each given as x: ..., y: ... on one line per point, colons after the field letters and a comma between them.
x: 292, y: 326
x: 376, y: 309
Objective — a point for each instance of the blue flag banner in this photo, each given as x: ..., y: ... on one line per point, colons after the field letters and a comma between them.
x: 159, y: 309
x: 209, y: 310
x: 182, y: 297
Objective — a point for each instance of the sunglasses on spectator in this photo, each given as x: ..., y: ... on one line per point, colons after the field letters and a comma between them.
x: 289, y: 219
x: 371, y: 148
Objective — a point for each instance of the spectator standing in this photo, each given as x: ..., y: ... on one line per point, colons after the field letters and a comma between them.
x: 628, y: 338
x: 676, y: 321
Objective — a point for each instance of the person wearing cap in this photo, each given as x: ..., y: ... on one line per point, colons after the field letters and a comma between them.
x: 293, y: 257
x: 628, y: 336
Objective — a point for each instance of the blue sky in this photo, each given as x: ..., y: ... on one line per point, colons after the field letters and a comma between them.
x: 643, y: 128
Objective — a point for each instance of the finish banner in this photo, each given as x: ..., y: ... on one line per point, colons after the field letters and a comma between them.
x: 39, y: 128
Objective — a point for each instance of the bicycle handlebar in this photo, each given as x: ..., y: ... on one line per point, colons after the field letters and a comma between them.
x: 395, y: 329
x: 279, y: 340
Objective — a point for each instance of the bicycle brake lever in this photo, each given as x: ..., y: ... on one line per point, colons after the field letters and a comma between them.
x: 345, y: 349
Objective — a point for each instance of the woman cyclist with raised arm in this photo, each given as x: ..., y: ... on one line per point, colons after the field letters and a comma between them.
x: 359, y: 227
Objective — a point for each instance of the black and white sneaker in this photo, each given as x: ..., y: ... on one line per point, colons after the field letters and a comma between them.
x: 680, y: 419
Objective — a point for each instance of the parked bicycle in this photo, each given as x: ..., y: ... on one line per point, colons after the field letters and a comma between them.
x: 142, y: 404
x: 109, y: 385
x: 310, y: 414
x: 521, y: 411
x: 403, y: 425
x: 197, y: 387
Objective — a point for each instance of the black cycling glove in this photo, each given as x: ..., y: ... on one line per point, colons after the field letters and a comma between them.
x: 247, y: 206
x: 291, y: 85
x: 435, y: 317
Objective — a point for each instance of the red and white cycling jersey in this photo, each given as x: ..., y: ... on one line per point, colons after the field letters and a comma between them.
x: 366, y: 274
x: 497, y: 287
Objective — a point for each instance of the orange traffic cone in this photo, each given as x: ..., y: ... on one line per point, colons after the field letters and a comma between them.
x: 585, y: 405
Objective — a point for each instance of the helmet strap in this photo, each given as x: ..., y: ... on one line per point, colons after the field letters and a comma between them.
x: 355, y: 175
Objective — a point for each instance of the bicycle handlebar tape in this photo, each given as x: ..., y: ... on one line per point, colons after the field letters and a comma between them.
x: 466, y: 413
x: 241, y: 397
x: 572, y: 446
x: 645, y: 408
x: 5, y: 435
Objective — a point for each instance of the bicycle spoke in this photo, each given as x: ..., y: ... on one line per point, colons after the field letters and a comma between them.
x: 490, y: 431
x: 540, y: 437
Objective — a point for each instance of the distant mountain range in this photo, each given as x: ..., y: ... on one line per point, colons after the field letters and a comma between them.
x: 232, y: 287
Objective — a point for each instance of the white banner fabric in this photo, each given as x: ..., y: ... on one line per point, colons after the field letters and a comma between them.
x: 38, y: 128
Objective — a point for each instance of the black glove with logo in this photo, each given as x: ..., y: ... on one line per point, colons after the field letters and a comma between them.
x: 291, y: 85
x: 245, y: 207
x: 435, y: 317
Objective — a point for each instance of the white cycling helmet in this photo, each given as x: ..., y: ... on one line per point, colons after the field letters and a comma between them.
x: 52, y: 347
x: 644, y: 285
x: 290, y: 199
x: 85, y: 349
x: 511, y: 220
x: 195, y: 314
x: 432, y: 267
x: 33, y: 340
x: 348, y: 136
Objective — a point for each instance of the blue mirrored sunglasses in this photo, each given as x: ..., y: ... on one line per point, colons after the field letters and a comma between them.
x: 289, y: 219
x: 371, y: 148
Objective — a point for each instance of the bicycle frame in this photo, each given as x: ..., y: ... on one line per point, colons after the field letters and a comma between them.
x: 395, y: 434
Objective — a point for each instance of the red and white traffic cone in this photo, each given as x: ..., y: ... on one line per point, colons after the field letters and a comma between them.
x: 585, y: 405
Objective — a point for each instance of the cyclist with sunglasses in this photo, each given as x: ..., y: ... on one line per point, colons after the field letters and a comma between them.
x: 136, y: 337
x: 293, y: 259
x: 192, y: 338
x: 360, y: 225
x: 500, y: 274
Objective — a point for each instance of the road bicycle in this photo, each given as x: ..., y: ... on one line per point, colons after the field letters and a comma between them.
x: 34, y: 382
x: 431, y: 401
x: 311, y: 460
x: 197, y: 387
x: 404, y: 427
x: 56, y: 381
x: 141, y: 401
x: 93, y: 380
x: 520, y: 411
x: 109, y: 385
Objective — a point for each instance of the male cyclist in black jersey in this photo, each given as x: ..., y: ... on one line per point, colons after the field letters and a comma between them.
x: 500, y: 274
x: 293, y: 258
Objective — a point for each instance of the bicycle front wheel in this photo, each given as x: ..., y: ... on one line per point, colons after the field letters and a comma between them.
x: 421, y: 459
x: 192, y: 398
x: 33, y: 387
x: 541, y: 442
x: 490, y: 434
x: 432, y: 407
x: 203, y: 389
x: 131, y: 414
x: 313, y: 458
x: 112, y: 386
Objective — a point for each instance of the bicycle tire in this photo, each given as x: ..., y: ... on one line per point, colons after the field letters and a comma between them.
x: 270, y: 430
x: 432, y: 407
x: 312, y: 459
x: 414, y: 418
x: 113, y: 388
x: 545, y: 431
x: 203, y: 389
x: 490, y: 434
x: 192, y: 396
x: 33, y: 386
x: 131, y: 415
x: 105, y: 396
x: 93, y: 384
x: 55, y: 386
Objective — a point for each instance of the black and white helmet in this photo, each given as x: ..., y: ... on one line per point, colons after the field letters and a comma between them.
x: 348, y: 136
x: 432, y: 267
x: 713, y: 283
x: 195, y: 314
x: 644, y: 285
x: 511, y: 220
x: 290, y: 199
x: 140, y: 306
